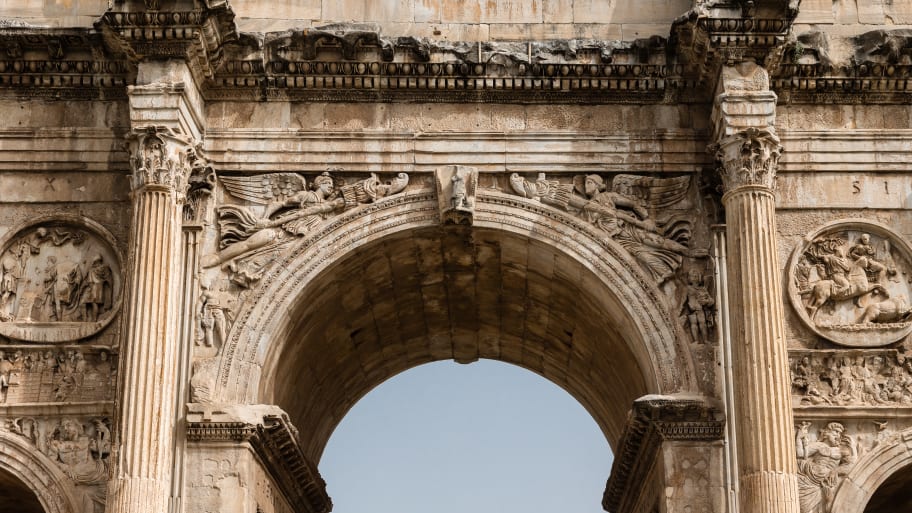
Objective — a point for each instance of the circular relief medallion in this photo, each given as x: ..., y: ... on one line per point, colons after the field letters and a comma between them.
x: 60, y: 280
x: 850, y: 282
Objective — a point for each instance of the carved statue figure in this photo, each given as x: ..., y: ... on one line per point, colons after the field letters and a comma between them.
x: 213, y: 318
x: 623, y: 213
x: 9, y: 282
x: 698, y: 305
x: 96, y: 295
x: 459, y: 191
x: 842, y: 277
x: 6, y: 371
x: 894, y: 309
x: 71, y: 448
x: 821, y: 464
x: 290, y: 208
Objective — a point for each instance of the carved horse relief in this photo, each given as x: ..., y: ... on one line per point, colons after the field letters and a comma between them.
x: 848, y: 282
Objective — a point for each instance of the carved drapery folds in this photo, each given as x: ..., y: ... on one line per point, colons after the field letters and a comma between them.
x: 648, y: 216
x: 284, y: 206
x: 749, y: 157
x: 456, y: 186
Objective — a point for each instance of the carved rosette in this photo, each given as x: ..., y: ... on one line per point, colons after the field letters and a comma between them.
x: 163, y: 161
x: 748, y: 158
x: 849, y: 283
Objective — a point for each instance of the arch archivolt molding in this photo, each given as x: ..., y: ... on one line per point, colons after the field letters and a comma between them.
x: 262, y: 319
x: 871, y: 471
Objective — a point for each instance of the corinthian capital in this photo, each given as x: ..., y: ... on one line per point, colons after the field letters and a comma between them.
x: 748, y: 157
x: 161, y: 160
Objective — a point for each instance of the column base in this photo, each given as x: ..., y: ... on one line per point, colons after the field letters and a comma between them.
x: 769, y: 492
x: 130, y: 495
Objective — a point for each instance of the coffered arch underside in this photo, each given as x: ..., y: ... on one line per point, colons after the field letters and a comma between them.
x: 264, y: 327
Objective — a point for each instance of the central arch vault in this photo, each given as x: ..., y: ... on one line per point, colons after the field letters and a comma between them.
x: 387, y: 287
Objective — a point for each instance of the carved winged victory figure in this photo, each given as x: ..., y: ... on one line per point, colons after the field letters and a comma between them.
x: 627, y: 212
x: 290, y: 208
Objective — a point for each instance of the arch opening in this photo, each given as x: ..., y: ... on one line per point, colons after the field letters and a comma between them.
x: 427, y: 294
x: 894, y: 494
x: 16, y: 496
x: 487, y: 437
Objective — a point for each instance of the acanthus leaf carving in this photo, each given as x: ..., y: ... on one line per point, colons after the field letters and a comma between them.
x: 748, y: 158
x: 629, y: 210
x: 287, y: 208
x: 161, y: 159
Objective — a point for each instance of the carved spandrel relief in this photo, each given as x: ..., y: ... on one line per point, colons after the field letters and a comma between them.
x: 642, y: 214
x: 45, y: 376
x: 827, y: 450
x: 284, y: 207
x: 59, y: 281
x: 850, y: 379
x: 849, y: 283
x: 80, y: 447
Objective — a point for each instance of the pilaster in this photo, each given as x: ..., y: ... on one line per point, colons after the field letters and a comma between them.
x: 748, y: 152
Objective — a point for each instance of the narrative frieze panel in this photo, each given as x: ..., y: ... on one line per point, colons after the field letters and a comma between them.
x: 850, y: 283
x: 871, y: 378
x: 60, y: 280
x: 53, y: 374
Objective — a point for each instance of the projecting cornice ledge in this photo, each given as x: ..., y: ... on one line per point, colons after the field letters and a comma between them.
x: 268, y: 432
x: 651, y: 421
x: 355, y: 62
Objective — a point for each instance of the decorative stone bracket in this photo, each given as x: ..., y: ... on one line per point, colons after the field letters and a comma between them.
x: 274, y: 440
x: 652, y: 421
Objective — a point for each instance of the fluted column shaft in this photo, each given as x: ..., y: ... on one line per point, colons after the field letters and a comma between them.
x: 748, y: 152
x: 766, y: 447
x: 150, y: 345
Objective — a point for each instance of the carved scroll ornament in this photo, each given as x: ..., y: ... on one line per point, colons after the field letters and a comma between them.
x: 849, y: 283
x: 645, y: 215
x: 60, y: 280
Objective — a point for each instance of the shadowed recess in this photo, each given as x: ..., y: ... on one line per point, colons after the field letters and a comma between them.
x: 15, y: 497
x: 461, y: 294
x: 894, y: 494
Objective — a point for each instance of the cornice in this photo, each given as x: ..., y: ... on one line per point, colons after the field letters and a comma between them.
x: 274, y: 441
x: 356, y: 63
x: 651, y: 421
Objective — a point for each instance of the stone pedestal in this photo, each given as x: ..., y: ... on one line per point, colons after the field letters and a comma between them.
x: 749, y: 151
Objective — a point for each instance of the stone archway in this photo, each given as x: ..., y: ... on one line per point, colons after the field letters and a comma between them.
x: 36, y: 472
x: 540, y: 261
x: 892, y: 456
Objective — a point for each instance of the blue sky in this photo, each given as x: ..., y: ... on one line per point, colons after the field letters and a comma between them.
x: 481, y: 438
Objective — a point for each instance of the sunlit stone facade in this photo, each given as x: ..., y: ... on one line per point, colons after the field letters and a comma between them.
x: 223, y: 223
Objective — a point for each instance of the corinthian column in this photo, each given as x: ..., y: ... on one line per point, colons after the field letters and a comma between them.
x: 748, y: 151
x: 151, y: 342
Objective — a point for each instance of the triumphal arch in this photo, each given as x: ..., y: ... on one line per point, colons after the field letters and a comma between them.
x: 224, y: 222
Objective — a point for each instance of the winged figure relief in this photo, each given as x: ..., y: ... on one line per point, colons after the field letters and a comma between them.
x: 289, y: 208
x: 629, y: 210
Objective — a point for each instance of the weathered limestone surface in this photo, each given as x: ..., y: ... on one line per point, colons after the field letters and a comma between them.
x: 221, y: 224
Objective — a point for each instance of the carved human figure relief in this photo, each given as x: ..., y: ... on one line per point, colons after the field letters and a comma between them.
x: 68, y: 375
x: 848, y: 282
x: 634, y: 211
x: 822, y: 462
x: 456, y: 186
x: 698, y: 307
x: 215, y: 317
x: 838, y: 378
x: 59, y: 281
x: 284, y: 206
